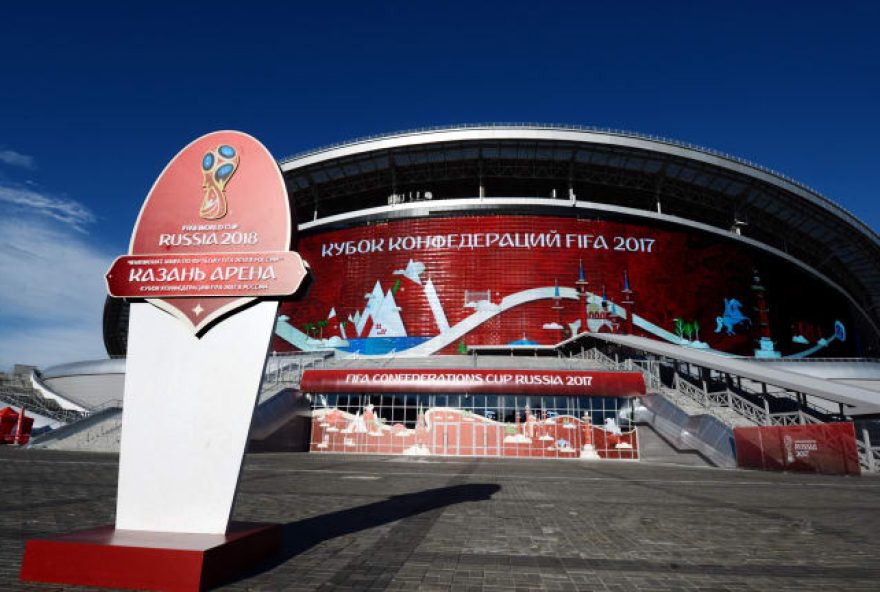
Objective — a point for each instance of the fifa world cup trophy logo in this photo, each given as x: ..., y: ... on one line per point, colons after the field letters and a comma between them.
x: 218, y: 166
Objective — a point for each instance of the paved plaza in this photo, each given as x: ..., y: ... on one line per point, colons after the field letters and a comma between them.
x: 377, y: 523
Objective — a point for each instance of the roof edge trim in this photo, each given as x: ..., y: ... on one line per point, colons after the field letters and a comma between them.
x: 576, y: 133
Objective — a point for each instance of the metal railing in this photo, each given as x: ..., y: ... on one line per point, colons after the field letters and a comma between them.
x: 689, y: 389
x: 749, y: 410
x: 805, y: 413
x: 729, y: 398
x: 869, y: 455
x: 31, y: 400
x: 789, y: 397
x: 597, y: 356
x: 286, y: 369
x: 650, y: 369
x: 793, y: 418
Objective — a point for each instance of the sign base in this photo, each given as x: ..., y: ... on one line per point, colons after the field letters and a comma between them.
x: 145, y: 560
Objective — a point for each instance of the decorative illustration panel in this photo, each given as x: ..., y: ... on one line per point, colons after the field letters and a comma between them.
x: 439, y: 285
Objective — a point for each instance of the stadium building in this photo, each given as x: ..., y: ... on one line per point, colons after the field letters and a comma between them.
x: 530, y: 290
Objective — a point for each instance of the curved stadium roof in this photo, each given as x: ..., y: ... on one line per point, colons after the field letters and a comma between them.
x: 609, y: 170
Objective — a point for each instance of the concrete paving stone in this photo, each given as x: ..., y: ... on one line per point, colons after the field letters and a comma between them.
x: 495, y: 524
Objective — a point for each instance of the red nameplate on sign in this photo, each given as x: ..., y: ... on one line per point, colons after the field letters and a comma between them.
x: 214, y: 233
x: 209, y: 274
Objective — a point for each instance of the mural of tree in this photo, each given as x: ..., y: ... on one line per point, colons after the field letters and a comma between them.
x: 308, y: 328
x: 689, y: 330
x: 321, y: 324
x: 679, y: 327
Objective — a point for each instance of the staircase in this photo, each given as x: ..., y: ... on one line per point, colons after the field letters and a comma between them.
x: 655, y: 448
x: 688, y: 400
x: 17, y: 392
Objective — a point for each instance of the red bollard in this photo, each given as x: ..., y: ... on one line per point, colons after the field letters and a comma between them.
x: 18, y: 426
x: 22, y: 429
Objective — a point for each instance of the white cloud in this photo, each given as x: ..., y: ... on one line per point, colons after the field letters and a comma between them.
x: 51, y: 293
x: 17, y: 159
x: 66, y: 211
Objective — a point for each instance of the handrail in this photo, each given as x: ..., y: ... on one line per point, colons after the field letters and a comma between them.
x: 289, y: 367
x: 31, y: 400
x: 687, y: 388
x: 726, y: 398
x: 651, y: 373
x: 748, y: 409
x: 597, y: 356
x: 806, y: 413
x: 787, y: 395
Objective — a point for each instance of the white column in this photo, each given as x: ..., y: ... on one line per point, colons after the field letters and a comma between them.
x: 186, y: 416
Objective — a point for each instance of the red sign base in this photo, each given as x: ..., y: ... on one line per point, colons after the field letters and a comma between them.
x: 141, y: 560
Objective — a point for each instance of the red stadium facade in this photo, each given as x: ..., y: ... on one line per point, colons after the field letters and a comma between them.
x: 510, y: 239
x: 443, y: 285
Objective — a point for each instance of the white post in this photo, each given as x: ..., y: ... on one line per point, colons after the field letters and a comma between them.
x: 186, y: 418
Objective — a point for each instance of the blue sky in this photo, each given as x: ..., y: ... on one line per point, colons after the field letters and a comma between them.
x: 95, y: 98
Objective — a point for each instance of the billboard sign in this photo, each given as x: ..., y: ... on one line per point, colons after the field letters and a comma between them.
x: 213, y: 234
x: 813, y: 448
x: 445, y: 284
x: 527, y: 382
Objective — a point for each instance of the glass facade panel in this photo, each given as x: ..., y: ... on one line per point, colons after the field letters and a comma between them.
x: 473, y: 425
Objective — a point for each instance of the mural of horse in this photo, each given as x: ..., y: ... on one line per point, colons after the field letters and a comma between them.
x: 732, y: 317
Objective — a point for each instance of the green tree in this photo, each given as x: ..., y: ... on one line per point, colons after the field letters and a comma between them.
x: 308, y: 328
x: 321, y: 324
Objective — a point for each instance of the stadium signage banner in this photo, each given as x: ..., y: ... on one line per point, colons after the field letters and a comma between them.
x: 812, y: 448
x: 443, y: 284
x: 492, y: 240
x: 530, y: 382
x: 213, y: 234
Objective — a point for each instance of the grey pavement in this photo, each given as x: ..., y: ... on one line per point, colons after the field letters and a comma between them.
x: 395, y: 523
